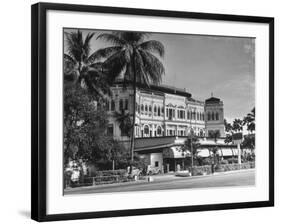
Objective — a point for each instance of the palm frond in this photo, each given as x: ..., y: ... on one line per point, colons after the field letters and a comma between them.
x: 69, y: 58
x: 141, y: 75
x: 153, y: 66
x: 103, y: 53
x: 115, y: 63
x: 133, y: 37
x: 114, y: 39
x: 154, y: 47
x: 86, y: 45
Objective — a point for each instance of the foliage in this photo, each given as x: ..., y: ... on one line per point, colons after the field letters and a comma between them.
x: 125, y: 122
x: 227, y: 126
x: 82, y: 67
x: 237, y: 125
x: 135, y: 58
x: 191, y: 145
x: 249, y: 120
x: 248, y: 142
x: 215, y: 134
x: 85, y: 124
x: 232, y: 160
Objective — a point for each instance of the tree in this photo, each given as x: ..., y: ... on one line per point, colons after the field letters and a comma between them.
x: 83, y: 67
x: 85, y: 130
x: 215, y: 135
x: 237, y: 125
x: 191, y: 145
x: 249, y: 121
x: 227, y: 126
x: 135, y: 59
x: 125, y: 123
x: 228, y: 129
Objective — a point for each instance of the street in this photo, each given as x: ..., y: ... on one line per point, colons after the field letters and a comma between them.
x: 238, y: 178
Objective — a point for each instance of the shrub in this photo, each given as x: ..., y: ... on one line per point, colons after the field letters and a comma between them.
x: 206, y: 161
x: 121, y: 172
x: 232, y: 160
x: 224, y: 161
x: 200, y: 170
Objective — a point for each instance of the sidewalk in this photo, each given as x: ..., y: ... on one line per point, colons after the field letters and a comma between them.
x: 156, y: 179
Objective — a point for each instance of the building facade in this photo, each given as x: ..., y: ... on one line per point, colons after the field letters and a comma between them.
x: 165, y: 111
x: 164, y: 118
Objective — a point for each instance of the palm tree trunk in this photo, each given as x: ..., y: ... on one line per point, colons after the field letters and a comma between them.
x: 134, y: 109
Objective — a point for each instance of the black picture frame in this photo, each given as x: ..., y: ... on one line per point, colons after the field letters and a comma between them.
x: 38, y: 108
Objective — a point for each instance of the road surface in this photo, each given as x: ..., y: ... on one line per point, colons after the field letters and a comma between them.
x: 240, y: 178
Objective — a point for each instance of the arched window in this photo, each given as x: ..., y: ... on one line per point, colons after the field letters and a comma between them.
x: 142, y: 107
x: 145, y: 108
x: 150, y: 108
x: 126, y: 104
x: 120, y: 104
x: 146, y: 130
x: 188, y: 114
x: 159, y: 111
x: 112, y: 105
x: 209, y: 116
x: 203, y: 117
x: 155, y: 110
x: 213, y: 116
x: 107, y: 105
x: 217, y: 116
x: 159, y: 130
x: 162, y: 110
x: 198, y: 116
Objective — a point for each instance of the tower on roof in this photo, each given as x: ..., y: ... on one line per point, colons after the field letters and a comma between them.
x: 214, y: 114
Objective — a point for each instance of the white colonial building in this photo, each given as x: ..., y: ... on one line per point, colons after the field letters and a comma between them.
x: 165, y: 111
x: 164, y: 118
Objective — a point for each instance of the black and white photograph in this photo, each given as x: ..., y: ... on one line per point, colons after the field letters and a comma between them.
x: 148, y: 111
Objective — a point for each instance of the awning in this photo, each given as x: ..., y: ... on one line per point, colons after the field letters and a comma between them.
x: 175, y: 152
x: 203, y: 153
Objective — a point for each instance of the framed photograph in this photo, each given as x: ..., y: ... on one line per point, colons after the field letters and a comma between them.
x: 138, y: 111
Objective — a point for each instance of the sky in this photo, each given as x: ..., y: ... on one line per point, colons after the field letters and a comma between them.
x: 205, y: 65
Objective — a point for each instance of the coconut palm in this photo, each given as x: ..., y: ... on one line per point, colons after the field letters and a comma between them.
x: 125, y: 123
x: 215, y: 135
x: 249, y: 120
x: 227, y: 126
x: 134, y: 58
x: 237, y: 125
x: 191, y: 145
x: 83, y: 67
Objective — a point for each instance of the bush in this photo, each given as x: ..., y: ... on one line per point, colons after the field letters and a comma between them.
x: 206, y: 161
x: 109, y: 176
x: 224, y: 161
x: 232, y: 160
x: 200, y: 170
x: 121, y: 172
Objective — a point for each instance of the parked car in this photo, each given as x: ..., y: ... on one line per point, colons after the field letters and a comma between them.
x: 134, y: 172
x: 152, y: 170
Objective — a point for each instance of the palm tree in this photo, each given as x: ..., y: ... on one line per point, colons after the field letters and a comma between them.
x: 215, y: 135
x: 227, y: 126
x: 249, y: 121
x: 237, y: 125
x: 192, y: 145
x: 136, y: 59
x: 125, y: 123
x: 83, y: 67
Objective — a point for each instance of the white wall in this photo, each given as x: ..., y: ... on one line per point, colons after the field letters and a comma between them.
x: 15, y: 110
